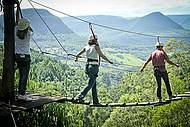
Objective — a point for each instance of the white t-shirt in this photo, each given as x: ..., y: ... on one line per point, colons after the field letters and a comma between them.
x: 91, y: 52
x: 22, y: 46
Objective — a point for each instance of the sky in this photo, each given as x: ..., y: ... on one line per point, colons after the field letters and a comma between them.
x: 124, y: 8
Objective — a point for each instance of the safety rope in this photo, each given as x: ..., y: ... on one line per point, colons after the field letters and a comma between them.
x: 69, y: 54
x: 48, y: 28
x: 108, y: 27
x: 90, y: 26
x: 81, y: 61
x: 53, y: 54
x: 37, y: 45
x: 12, y: 116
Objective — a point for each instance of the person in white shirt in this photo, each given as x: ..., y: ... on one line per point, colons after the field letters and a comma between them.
x: 23, y: 33
x: 93, y: 52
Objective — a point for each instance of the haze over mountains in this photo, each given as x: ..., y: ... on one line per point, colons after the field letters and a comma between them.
x: 183, y: 20
x: 38, y: 26
x: 53, y: 21
x: 154, y: 23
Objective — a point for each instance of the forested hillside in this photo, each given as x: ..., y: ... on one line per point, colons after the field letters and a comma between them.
x: 52, y: 77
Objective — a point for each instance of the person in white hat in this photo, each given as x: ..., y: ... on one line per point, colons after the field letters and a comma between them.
x: 158, y: 58
x: 93, y: 52
x: 23, y: 33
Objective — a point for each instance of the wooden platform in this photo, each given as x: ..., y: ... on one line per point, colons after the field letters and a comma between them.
x: 16, y: 105
x: 37, y: 101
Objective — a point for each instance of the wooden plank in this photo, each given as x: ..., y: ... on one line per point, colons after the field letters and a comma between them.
x: 183, y: 95
x: 116, y: 104
x: 99, y: 105
x: 161, y: 103
x: 187, y: 92
x: 174, y: 99
x: 146, y: 103
x: 130, y: 104
x: 84, y: 103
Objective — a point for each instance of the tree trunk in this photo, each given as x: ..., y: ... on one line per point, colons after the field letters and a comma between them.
x: 7, y: 91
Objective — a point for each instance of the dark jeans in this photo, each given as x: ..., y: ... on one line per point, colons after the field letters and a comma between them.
x: 23, y: 64
x: 92, y: 72
x: 164, y: 75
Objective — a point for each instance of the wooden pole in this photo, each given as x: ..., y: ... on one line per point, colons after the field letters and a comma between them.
x: 7, y: 91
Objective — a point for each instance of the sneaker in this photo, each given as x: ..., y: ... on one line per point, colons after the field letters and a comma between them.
x: 170, y: 97
x: 160, y: 100
x: 24, y: 98
x: 79, y: 96
x: 79, y: 99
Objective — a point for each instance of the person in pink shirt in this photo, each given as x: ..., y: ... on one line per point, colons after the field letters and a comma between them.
x: 159, y: 57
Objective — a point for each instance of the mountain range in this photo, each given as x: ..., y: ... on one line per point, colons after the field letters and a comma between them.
x: 154, y: 23
x: 54, y: 22
x: 183, y: 20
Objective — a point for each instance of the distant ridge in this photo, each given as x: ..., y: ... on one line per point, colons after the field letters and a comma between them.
x: 53, y: 21
x: 183, y: 20
x: 82, y: 28
x: 156, y: 22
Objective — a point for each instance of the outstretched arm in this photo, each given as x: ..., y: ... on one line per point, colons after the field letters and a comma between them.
x: 100, y: 53
x: 169, y: 61
x: 78, y: 55
x: 147, y: 61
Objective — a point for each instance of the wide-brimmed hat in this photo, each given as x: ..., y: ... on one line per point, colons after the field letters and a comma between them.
x: 23, y: 24
x: 159, y: 44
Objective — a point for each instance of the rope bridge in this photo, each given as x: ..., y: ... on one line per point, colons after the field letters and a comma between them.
x: 40, y: 100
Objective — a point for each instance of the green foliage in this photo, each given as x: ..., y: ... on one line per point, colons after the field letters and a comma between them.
x: 47, y: 70
x: 173, y: 115
x: 45, y: 88
x: 180, y: 53
x: 49, y: 76
x: 130, y: 117
x: 52, y: 115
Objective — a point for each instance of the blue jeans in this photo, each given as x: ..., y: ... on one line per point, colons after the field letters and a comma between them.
x: 92, y: 72
x: 23, y: 64
x: 164, y: 75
